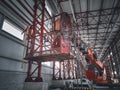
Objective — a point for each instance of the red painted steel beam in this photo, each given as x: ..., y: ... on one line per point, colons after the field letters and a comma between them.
x: 64, y: 77
x: 34, y: 30
x: 53, y: 78
x: 42, y: 26
x: 68, y: 67
x: 39, y: 79
x: 29, y: 79
x: 60, y: 78
x: 31, y: 13
x: 73, y: 69
x: 53, y: 17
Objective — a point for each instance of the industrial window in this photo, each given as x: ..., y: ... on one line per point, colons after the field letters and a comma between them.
x: 12, y: 29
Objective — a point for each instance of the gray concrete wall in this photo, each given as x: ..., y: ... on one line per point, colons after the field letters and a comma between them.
x: 12, y: 68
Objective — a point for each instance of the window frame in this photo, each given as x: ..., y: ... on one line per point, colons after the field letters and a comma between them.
x: 17, y: 28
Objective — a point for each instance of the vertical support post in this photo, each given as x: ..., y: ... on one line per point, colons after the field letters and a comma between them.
x: 34, y: 29
x: 54, y: 71
x: 42, y: 26
x: 60, y: 78
x: 64, y: 77
x: 29, y: 78
x: 39, y: 79
x: 52, y: 35
x: 76, y: 73
x: 73, y: 69
x: 68, y: 63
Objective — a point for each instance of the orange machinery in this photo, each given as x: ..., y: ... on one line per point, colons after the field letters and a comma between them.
x: 101, y: 77
x: 61, y: 34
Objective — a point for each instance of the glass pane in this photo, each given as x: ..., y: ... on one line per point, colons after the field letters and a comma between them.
x: 12, y: 29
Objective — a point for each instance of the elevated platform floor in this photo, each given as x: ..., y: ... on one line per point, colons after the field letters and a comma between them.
x: 51, y: 57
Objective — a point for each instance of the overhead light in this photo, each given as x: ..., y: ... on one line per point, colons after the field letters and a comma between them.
x: 115, y: 72
x: 111, y: 53
x: 113, y: 63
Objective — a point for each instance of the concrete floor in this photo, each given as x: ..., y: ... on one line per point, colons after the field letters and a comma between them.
x: 61, y: 84
x: 107, y: 89
x: 98, y: 88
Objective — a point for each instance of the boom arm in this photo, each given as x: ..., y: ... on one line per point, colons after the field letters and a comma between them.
x: 99, y: 64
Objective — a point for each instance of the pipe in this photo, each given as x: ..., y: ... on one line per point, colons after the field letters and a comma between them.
x: 70, y: 2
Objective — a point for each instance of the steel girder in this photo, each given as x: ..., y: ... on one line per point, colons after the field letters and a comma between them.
x: 98, y: 20
x: 32, y: 46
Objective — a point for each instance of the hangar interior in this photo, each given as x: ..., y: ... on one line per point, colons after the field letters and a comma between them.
x: 45, y: 44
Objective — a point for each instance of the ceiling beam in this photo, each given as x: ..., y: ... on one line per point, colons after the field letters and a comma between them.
x: 87, y: 24
x: 72, y: 9
x: 105, y: 9
x: 98, y: 33
x: 99, y: 18
x: 108, y: 38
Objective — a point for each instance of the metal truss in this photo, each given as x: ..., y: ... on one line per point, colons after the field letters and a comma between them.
x: 34, y: 36
x: 66, y: 70
x: 92, y: 25
x: 49, y: 44
x: 98, y: 20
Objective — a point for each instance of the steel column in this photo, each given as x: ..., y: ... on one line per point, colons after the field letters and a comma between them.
x: 64, y: 77
x: 73, y: 69
x: 68, y: 67
x: 53, y: 71
x: 42, y: 26
x: 34, y: 30
x: 39, y: 79
x: 29, y: 78
x: 60, y: 78
x: 29, y: 72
